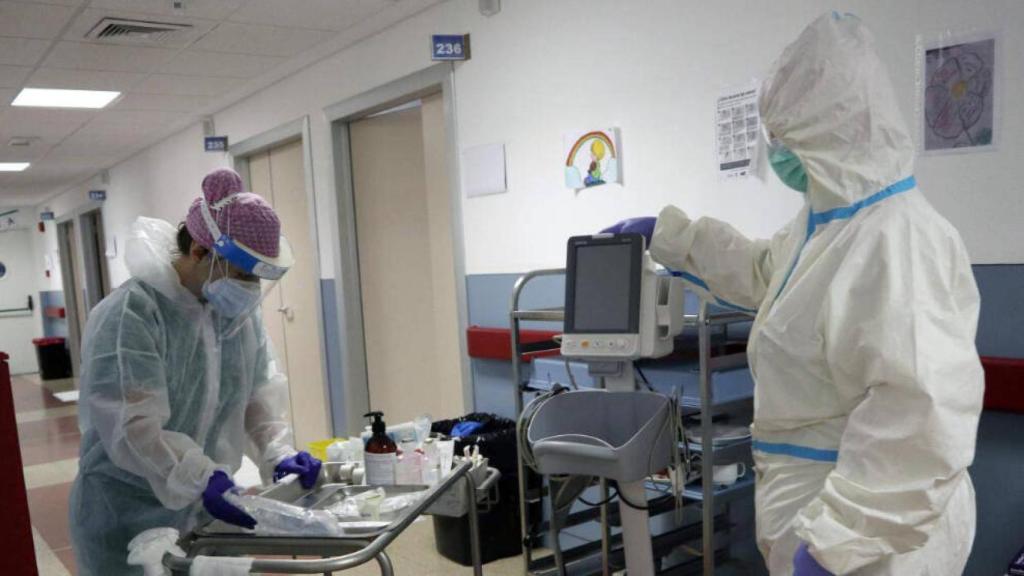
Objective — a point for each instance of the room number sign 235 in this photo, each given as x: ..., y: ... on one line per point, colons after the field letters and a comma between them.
x: 449, y: 47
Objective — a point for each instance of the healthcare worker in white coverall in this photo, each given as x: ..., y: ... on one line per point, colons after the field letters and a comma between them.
x: 178, y: 379
x: 868, y: 383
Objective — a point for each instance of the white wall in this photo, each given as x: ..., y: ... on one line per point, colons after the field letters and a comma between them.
x: 652, y: 68
x: 18, y: 330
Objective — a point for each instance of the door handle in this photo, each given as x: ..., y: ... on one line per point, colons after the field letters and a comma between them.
x: 288, y: 312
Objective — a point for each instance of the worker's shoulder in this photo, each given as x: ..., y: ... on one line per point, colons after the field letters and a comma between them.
x: 909, y: 216
x: 133, y: 294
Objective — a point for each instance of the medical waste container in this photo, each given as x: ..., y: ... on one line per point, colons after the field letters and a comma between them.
x: 54, y: 358
x: 499, y: 526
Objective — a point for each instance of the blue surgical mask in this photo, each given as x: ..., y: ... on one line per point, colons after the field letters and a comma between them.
x: 788, y: 167
x: 231, y: 297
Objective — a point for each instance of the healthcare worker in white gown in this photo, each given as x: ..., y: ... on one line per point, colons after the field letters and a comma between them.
x: 178, y: 379
x: 868, y: 382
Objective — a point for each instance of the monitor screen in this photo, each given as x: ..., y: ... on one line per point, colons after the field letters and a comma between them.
x: 604, y: 286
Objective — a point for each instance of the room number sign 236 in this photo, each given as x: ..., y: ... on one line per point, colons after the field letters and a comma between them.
x: 449, y: 47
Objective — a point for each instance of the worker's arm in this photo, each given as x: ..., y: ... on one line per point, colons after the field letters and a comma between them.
x: 898, y: 334
x: 125, y: 397
x: 716, y: 260
x: 266, y: 414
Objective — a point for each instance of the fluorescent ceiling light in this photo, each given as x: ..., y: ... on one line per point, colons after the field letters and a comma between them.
x: 50, y: 98
x: 13, y: 166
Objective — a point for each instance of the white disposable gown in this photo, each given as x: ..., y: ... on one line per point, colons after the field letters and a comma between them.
x: 868, y: 384
x: 164, y: 403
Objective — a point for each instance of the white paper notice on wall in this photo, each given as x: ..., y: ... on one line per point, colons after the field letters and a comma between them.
x: 484, y: 170
x: 112, y: 246
x: 737, y: 129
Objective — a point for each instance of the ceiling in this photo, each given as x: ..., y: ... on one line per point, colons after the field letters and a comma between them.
x: 233, y: 48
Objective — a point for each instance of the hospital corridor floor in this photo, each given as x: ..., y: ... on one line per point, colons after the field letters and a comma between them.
x: 48, y: 436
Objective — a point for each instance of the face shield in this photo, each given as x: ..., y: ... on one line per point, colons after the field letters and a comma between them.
x: 240, y: 278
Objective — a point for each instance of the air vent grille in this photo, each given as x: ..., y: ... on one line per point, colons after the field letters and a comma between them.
x: 134, y: 30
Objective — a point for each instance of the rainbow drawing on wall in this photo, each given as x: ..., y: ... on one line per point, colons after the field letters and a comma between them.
x: 592, y: 158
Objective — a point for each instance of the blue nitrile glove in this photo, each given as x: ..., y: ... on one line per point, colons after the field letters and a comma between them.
x: 805, y: 565
x: 221, y: 509
x: 465, y: 428
x: 643, y: 226
x: 303, y: 464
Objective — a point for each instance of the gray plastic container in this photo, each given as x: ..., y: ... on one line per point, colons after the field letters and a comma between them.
x: 624, y: 436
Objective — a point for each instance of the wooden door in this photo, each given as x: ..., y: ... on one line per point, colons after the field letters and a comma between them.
x: 403, y: 227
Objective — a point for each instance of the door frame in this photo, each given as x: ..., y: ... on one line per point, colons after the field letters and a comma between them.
x: 298, y: 129
x: 95, y: 269
x: 439, y: 78
x: 76, y: 325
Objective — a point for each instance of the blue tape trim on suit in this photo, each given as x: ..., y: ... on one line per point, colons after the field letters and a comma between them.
x: 815, y: 219
x: 805, y: 452
x: 704, y: 285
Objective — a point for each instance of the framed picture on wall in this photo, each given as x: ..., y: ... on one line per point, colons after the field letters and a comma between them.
x: 592, y: 158
x: 959, y: 80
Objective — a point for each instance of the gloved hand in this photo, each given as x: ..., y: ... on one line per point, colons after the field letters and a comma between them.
x: 221, y: 509
x: 643, y: 226
x: 805, y: 565
x: 303, y: 464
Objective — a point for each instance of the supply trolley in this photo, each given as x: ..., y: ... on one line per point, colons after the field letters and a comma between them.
x: 461, y: 492
x: 709, y: 365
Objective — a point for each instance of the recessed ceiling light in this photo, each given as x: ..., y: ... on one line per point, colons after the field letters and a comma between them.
x: 13, y: 166
x: 51, y: 98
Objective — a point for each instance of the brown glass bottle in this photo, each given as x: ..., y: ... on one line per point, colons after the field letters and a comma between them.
x: 380, y: 453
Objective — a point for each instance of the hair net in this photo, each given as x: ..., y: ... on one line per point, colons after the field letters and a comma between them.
x: 244, y: 216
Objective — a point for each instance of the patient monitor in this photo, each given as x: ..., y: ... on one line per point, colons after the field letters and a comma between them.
x: 617, y: 307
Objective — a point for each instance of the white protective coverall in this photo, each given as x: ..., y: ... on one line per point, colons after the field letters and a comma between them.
x: 868, y: 384
x: 165, y: 402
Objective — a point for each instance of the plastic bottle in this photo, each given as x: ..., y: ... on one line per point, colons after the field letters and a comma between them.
x: 380, y: 453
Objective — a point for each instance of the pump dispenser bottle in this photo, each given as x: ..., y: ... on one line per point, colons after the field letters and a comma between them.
x: 380, y: 454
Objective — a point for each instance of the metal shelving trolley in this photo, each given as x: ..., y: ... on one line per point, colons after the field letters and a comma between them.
x: 716, y: 405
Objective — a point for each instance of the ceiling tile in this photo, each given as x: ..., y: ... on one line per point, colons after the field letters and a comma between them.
x: 318, y: 14
x: 49, y: 124
x: 55, y: 2
x: 82, y: 144
x: 22, y: 51
x: 83, y: 56
x: 195, y: 63
x: 86, y: 149
x: 89, y: 18
x: 33, y: 20
x: 83, y: 79
x: 7, y: 96
x: 132, y: 122
x: 13, y: 76
x: 261, y: 40
x: 17, y: 154
x: 19, y: 197
x: 185, y: 85
x: 165, y: 102
x: 214, y: 9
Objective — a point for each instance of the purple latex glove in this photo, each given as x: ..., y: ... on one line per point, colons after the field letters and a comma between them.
x: 805, y: 565
x: 307, y: 467
x: 218, y: 507
x: 643, y: 226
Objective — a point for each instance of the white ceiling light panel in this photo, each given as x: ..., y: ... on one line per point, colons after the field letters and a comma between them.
x: 55, y: 98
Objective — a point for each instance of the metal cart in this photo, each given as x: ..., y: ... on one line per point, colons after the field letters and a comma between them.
x: 704, y: 494
x: 341, y: 553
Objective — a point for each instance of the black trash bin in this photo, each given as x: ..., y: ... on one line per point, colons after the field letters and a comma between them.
x: 499, y: 535
x: 54, y: 358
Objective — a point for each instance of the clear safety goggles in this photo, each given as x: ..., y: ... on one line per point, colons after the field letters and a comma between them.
x: 252, y: 276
